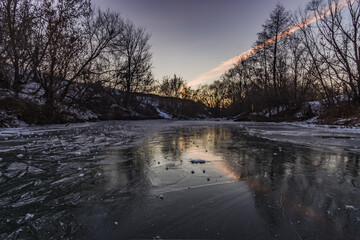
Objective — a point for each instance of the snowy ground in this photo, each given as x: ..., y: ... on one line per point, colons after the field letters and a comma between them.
x: 135, y: 179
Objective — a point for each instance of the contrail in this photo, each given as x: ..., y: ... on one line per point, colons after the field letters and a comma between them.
x: 223, y: 67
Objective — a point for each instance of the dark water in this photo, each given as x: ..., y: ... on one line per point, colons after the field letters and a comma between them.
x: 248, y: 188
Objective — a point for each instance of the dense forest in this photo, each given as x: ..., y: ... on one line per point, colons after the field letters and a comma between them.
x: 70, y: 56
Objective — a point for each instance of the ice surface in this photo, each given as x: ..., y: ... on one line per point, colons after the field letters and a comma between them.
x: 307, y: 134
x: 95, y: 180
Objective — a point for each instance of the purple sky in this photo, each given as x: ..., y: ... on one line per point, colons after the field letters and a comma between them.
x: 190, y: 37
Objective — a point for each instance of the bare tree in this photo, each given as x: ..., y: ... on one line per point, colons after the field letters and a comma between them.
x: 17, y: 19
x: 171, y: 86
x: 215, y: 95
x: 132, y: 60
x: 276, y: 26
x: 337, y: 31
x: 69, y: 39
x: 93, y: 64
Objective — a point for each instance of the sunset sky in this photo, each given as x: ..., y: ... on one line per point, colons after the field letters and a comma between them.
x: 190, y: 37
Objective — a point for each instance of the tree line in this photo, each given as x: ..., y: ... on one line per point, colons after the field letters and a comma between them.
x: 68, y: 49
x: 319, y: 61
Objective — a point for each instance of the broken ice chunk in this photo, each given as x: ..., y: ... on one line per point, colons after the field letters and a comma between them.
x: 29, y: 216
x: 34, y: 170
x: 17, y: 166
x: 38, y: 182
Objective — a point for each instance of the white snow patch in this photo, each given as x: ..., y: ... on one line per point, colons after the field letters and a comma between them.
x: 163, y: 114
x: 350, y: 207
x: 81, y: 114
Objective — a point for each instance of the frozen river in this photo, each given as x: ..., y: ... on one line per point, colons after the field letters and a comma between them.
x: 179, y: 180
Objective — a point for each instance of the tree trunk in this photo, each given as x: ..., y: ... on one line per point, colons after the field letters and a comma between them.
x: 274, y: 68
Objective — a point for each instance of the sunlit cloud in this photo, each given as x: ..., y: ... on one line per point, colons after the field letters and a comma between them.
x: 226, y: 65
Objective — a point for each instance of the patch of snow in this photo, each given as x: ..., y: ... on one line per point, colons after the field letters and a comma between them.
x: 11, y: 120
x: 114, y: 106
x: 350, y: 207
x: 85, y: 115
x: 316, y: 107
x: 163, y: 114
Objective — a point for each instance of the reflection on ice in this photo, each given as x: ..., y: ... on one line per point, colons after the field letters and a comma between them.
x: 217, y: 180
